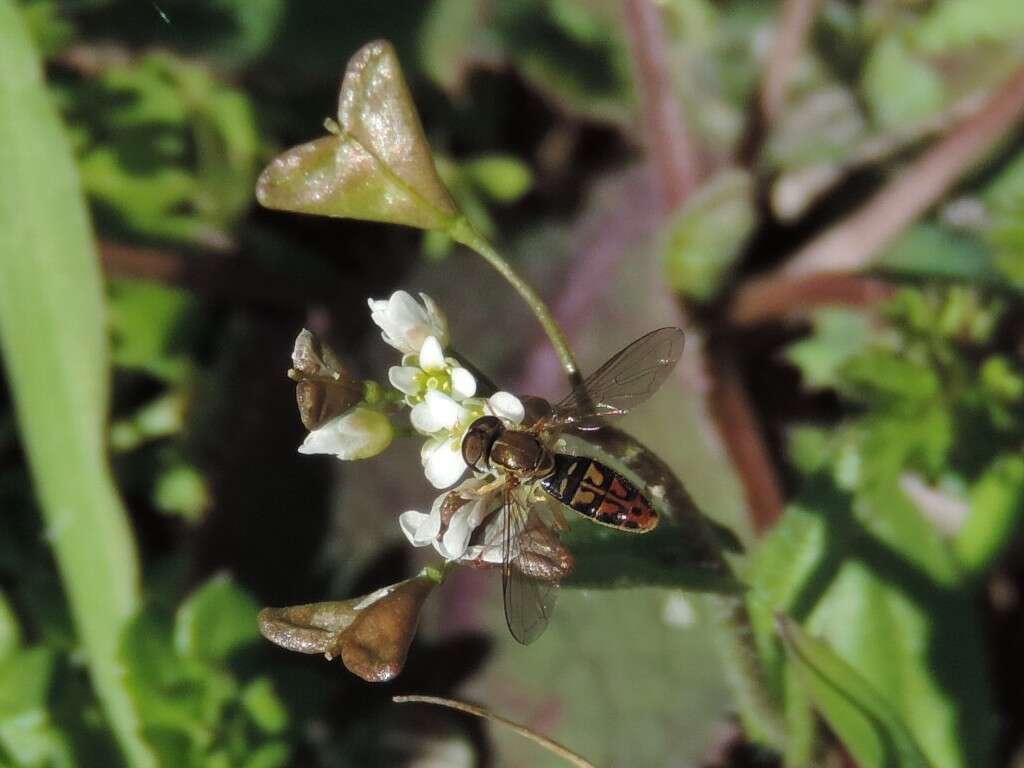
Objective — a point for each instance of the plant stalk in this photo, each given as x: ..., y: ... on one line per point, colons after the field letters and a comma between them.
x: 463, y: 232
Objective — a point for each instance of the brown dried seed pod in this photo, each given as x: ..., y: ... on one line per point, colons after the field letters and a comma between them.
x: 324, y: 388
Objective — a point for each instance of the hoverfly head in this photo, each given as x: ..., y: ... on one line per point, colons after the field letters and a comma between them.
x: 476, y: 445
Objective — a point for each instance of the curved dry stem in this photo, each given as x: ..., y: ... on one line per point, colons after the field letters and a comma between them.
x: 551, y: 746
x: 463, y: 232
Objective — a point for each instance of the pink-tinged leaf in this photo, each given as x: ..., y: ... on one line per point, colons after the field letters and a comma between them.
x: 377, y: 166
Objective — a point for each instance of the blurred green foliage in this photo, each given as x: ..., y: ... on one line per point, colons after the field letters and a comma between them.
x: 907, y: 489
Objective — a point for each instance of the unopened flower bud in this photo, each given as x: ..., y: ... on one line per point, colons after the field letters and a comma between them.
x: 359, y: 434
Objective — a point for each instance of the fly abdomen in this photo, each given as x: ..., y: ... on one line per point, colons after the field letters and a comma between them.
x: 600, y: 493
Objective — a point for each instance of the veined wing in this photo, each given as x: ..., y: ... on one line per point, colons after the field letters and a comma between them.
x: 630, y: 377
x: 529, y: 600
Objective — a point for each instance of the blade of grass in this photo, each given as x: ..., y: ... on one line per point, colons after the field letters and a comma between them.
x: 53, y: 339
x: 551, y: 746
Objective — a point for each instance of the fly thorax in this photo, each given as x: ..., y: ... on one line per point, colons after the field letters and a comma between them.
x: 519, y: 453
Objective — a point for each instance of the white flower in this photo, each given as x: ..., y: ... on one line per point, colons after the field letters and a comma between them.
x: 433, y: 372
x: 506, y: 407
x: 406, y: 324
x: 442, y: 460
x: 451, y: 538
x: 446, y: 422
x: 358, y: 434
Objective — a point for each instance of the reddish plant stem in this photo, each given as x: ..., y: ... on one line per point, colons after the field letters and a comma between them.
x: 803, y: 294
x: 673, y: 162
x: 794, y: 26
x: 670, y: 147
x: 741, y: 431
x: 859, y: 239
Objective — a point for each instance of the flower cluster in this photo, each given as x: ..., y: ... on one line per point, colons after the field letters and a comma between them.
x: 441, y: 395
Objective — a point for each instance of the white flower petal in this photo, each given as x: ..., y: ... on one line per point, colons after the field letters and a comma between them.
x: 431, y: 445
x: 444, y: 465
x: 419, y: 529
x: 358, y: 434
x: 463, y: 383
x: 452, y: 545
x: 396, y: 316
x: 404, y: 378
x: 483, y: 553
x: 507, y: 407
x: 438, y: 321
x: 443, y: 410
x: 423, y: 419
x: 432, y: 355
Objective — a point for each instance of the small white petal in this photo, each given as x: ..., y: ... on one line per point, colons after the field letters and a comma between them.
x: 431, y: 445
x: 437, y: 319
x: 419, y: 529
x: 405, y: 310
x: 431, y: 355
x: 436, y: 412
x: 452, y: 545
x: 404, y: 379
x: 358, y: 434
x: 445, y: 464
x: 463, y: 383
x: 423, y: 419
x: 506, y: 406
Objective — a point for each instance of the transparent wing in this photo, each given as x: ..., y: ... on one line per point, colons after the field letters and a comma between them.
x: 621, y: 384
x: 529, y: 601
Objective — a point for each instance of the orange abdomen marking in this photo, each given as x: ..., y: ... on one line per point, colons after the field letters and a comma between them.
x: 600, y: 493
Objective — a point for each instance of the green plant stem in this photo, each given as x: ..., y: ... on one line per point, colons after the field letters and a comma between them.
x: 54, y: 348
x: 551, y: 746
x: 761, y: 711
x: 462, y: 231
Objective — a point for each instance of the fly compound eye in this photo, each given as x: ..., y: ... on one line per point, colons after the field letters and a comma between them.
x: 476, y: 445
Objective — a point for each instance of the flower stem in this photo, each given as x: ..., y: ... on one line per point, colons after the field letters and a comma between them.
x: 550, y: 745
x: 463, y: 232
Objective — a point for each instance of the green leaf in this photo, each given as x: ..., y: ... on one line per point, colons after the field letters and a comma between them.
x: 884, y: 597
x: 997, y: 505
x: 377, y: 166
x: 216, y: 620
x: 838, y: 335
x: 167, y: 151
x: 10, y: 632
x: 577, y: 57
x: 503, y: 178
x: 181, y: 490
x: 53, y: 339
x: 962, y: 23
x: 1005, y: 201
x: 668, y: 556
x: 452, y: 39
x: 931, y: 251
x: 882, y: 377
x: 702, y: 240
x: 899, y: 86
x: 264, y: 706
x: 147, y: 321
x: 868, y: 727
x: 27, y: 732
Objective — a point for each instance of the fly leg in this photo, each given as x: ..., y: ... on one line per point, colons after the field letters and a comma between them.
x: 490, y: 487
x: 559, y: 518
